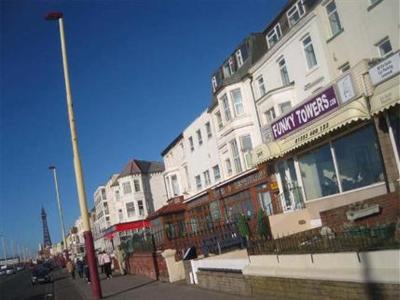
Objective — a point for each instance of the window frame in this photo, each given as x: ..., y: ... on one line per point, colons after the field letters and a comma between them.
x: 226, y: 108
x: 199, y: 137
x: 126, y: 184
x: 237, y: 104
x: 280, y: 105
x: 283, y: 66
x: 191, y: 143
x: 239, y: 58
x: 275, y: 31
x: 236, y: 156
x: 267, y: 115
x: 136, y: 187
x: 228, y: 166
x: 198, y: 182
x: 380, y: 43
x: 133, y: 209
x: 295, y: 8
x: 218, y: 116
x: 309, y: 44
x: 216, y: 167
x: 262, y: 90
x: 207, y: 178
x: 208, y: 129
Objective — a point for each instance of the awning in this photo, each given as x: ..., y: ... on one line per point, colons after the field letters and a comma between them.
x: 121, y: 227
x: 351, y: 112
x: 386, y: 95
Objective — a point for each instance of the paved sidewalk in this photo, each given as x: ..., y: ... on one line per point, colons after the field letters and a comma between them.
x: 136, y: 287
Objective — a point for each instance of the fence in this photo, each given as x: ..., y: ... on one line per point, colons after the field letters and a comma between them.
x: 324, y: 241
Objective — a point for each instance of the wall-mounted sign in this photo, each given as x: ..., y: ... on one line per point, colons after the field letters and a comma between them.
x: 386, y: 69
x: 317, y: 106
x: 346, y: 89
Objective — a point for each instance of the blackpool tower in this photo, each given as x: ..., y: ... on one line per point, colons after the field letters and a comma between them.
x: 46, y: 233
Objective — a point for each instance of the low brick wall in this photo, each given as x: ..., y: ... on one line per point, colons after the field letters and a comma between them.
x: 144, y: 263
x: 227, y: 282
x: 389, y: 212
x: 290, y: 288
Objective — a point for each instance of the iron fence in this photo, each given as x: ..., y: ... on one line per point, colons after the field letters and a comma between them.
x: 355, y: 239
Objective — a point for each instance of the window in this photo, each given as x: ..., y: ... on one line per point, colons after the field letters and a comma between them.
x: 239, y: 58
x: 264, y: 198
x: 228, y: 166
x: 191, y: 143
x: 295, y: 13
x: 285, y: 107
x: 226, y: 70
x: 236, y: 156
x: 199, y: 138
x: 207, y: 180
x: 208, y: 130
x: 187, y: 176
x: 318, y: 173
x: 333, y: 17
x: 284, y: 72
x: 217, y: 174
x: 261, y: 86
x: 214, y: 83
x: 136, y: 184
x: 246, y: 145
x: 117, y: 195
x: 103, y: 194
x: 215, y: 211
x: 237, y: 102
x: 141, y: 207
x: 274, y: 35
x: 175, y: 185
x: 130, y: 209
x: 344, y: 68
x: 309, y: 52
x: 225, y: 105
x: 384, y: 47
x: 198, y: 182
x: 358, y: 159
x: 232, y: 64
x: 126, y: 186
x: 106, y: 210
x: 219, y: 120
x: 120, y: 215
x: 270, y: 115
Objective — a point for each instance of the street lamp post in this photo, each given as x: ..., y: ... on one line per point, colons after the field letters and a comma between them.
x: 89, y: 245
x: 60, y: 211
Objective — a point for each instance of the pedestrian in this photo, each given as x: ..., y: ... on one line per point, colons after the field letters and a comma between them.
x: 71, y: 268
x: 79, y: 267
x: 107, y: 264
x: 121, y: 256
x: 101, y: 261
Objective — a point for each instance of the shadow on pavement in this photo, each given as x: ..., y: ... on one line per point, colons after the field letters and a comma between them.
x: 130, y: 289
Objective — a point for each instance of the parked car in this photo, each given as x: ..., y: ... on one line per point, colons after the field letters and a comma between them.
x: 40, y: 274
x: 10, y: 270
x: 2, y: 272
x: 20, y: 268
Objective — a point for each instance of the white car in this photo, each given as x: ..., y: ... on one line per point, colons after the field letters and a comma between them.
x: 2, y: 272
x: 20, y: 268
x: 10, y: 271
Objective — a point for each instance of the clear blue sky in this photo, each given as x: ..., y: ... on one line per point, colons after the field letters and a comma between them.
x: 140, y: 72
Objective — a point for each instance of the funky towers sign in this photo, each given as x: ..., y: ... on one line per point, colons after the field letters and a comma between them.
x: 317, y: 106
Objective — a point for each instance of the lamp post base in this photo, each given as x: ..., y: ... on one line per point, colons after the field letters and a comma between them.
x: 91, y: 261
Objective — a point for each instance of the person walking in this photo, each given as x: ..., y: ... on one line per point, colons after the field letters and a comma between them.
x: 71, y: 268
x: 86, y: 269
x: 121, y: 256
x: 79, y: 267
x: 101, y: 261
x: 107, y: 264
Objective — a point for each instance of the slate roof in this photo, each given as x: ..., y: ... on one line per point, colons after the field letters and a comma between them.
x: 137, y: 166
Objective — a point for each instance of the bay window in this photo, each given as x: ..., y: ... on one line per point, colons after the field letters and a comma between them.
x: 236, y: 156
x: 237, y: 102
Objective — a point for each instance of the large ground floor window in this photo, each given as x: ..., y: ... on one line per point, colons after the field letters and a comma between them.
x: 349, y: 162
x: 393, y: 121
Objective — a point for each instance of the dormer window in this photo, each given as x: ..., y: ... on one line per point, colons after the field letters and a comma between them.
x: 274, y: 35
x: 214, y: 83
x: 226, y: 70
x: 239, y: 58
x: 232, y: 64
x: 295, y: 13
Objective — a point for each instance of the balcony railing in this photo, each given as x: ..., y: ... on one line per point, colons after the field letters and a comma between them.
x: 293, y: 199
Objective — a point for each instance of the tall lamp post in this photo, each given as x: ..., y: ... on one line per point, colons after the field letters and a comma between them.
x: 89, y: 245
x: 60, y: 211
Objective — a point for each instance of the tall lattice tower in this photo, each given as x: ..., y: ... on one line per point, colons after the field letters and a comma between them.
x: 46, y: 233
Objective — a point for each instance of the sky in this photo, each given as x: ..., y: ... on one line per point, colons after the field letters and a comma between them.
x: 140, y: 73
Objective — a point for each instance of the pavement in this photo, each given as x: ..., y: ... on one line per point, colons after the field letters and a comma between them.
x: 134, y: 287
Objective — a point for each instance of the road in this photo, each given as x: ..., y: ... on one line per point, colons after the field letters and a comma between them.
x: 19, y: 286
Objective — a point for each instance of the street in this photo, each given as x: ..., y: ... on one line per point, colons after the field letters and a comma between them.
x: 19, y: 286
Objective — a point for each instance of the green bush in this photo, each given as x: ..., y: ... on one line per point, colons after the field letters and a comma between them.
x: 243, y: 226
x: 262, y: 225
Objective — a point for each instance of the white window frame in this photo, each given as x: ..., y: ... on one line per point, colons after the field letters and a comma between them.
x: 218, y: 117
x: 237, y: 105
x: 236, y: 156
x: 228, y: 166
x: 143, y: 210
x: 231, y: 63
x: 261, y: 85
x: 268, y: 117
x: 207, y: 179
x: 197, y: 179
x: 127, y: 211
x: 310, y: 43
x: 283, y: 66
x: 380, y: 43
x: 124, y: 187
x: 239, y: 58
x: 282, y: 104
x: 329, y: 17
x: 175, y: 188
x: 226, y: 108
x: 274, y: 32
x: 226, y: 70
x: 136, y: 187
x: 214, y: 83
x: 299, y: 8
x: 216, y: 178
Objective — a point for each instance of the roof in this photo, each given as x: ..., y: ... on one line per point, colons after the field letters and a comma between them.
x: 172, y: 144
x: 170, y: 208
x: 136, y: 166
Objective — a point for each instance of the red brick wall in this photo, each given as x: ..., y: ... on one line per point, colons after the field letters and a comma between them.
x: 143, y: 263
x: 389, y: 212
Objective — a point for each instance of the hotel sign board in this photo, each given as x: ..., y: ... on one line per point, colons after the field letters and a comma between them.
x: 386, y: 69
x: 312, y: 109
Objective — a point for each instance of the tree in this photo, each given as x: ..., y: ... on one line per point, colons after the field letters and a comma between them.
x: 262, y: 225
x: 243, y: 226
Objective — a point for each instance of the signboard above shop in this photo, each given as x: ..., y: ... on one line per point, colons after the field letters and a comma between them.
x: 385, y: 69
x: 312, y: 109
